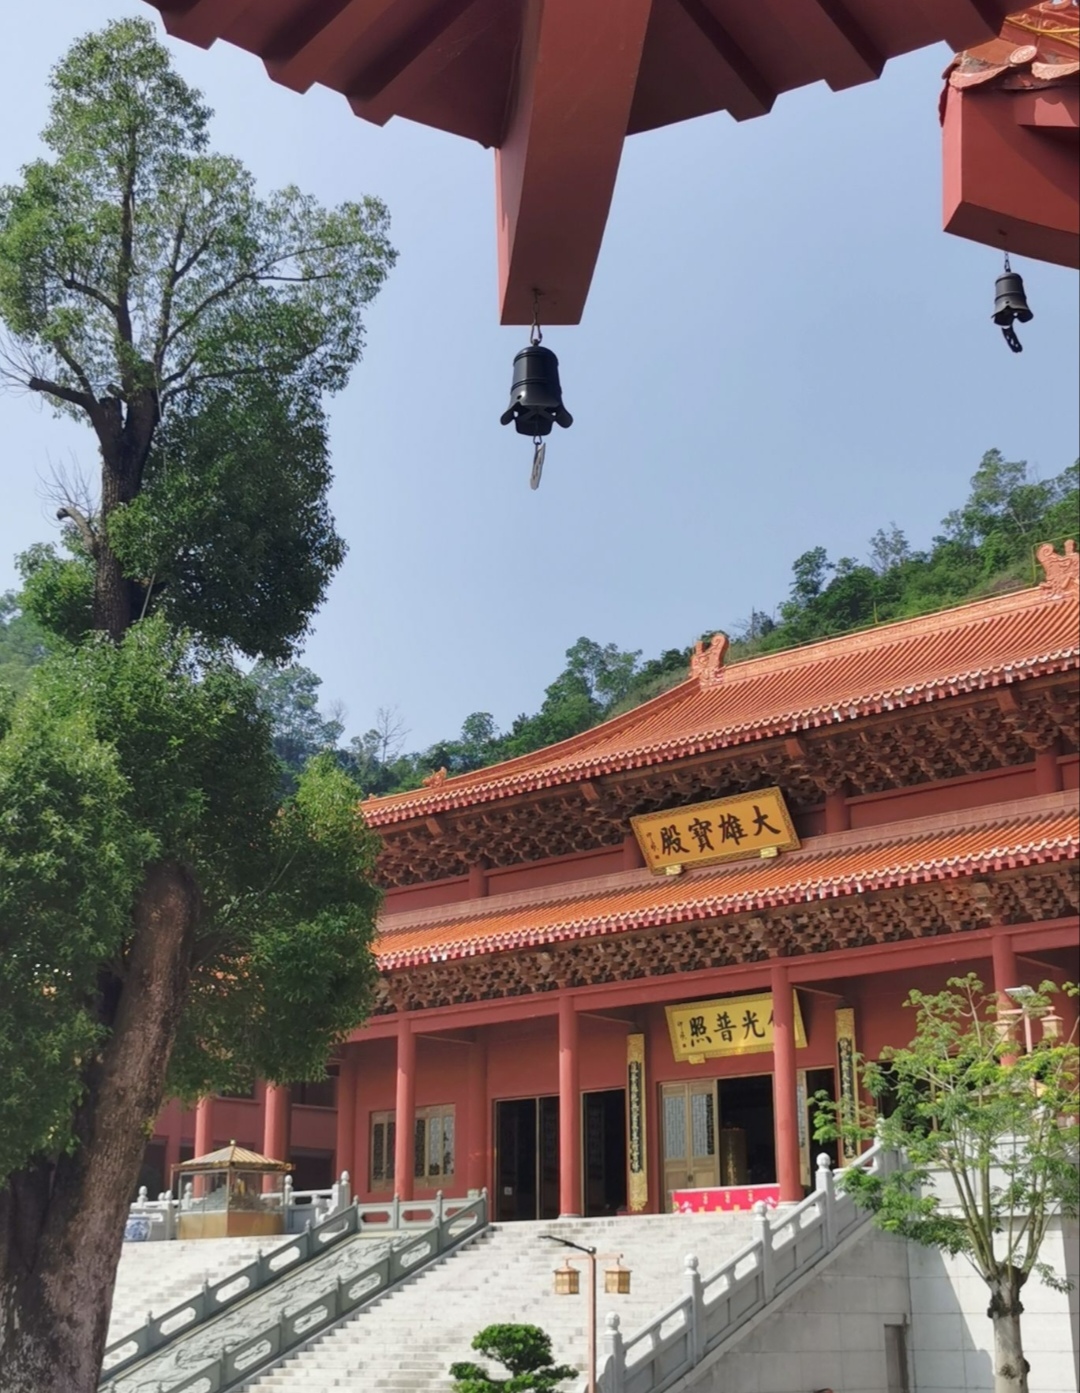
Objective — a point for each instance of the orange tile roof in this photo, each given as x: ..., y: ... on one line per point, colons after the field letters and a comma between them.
x: 985, y: 644
x: 1049, y: 831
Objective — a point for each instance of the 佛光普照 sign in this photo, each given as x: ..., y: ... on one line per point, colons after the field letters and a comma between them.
x: 729, y: 1025
x: 721, y: 830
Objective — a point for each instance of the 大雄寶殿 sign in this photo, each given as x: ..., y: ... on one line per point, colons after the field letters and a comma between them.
x: 726, y: 828
x: 727, y: 1025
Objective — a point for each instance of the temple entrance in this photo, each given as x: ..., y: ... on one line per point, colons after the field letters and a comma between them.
x: 527, y: 1159
x: 605, y: 1152
x: 747, y: 1133
x: 718, y: 1132
x: 691, y: 1157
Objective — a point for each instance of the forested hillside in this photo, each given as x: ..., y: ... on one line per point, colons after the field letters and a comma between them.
x: 985, y: 546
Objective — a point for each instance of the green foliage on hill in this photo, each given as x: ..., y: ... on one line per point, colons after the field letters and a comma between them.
x: 985, y: 547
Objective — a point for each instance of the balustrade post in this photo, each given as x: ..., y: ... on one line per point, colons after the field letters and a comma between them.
x: 825, y: 1185
x: 438, y: 1207
x: 763, y: 1236
x: 697, y: 1308
x: 614, y: 1379
x: 395, y: 1214
x: 286, y: 1198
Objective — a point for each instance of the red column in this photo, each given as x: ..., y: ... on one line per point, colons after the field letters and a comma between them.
x: 362, y: 1146
x: 204, y: 1126
x: 1005, y: 969
x: 476, y: 1142
x: 569, y: 1111
x: 405, y: 1109
x: 1005, y: 975
x: 632, y: 858
x: 1047, y: 774
x: 785, y: 1100
x: 276, y: 1122
x: 478, y: 880
x: 837, y: 812
x: 345, y: 1140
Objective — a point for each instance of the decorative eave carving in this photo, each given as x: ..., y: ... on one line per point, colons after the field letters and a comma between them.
x: 915, y: 911
x: 1062, y: 572
x: 707, y: 663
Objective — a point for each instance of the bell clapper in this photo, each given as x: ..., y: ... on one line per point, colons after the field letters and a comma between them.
x: 539, y: 451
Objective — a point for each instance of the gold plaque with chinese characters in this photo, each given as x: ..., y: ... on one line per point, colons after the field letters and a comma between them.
x: 751, y: 824
x: 727, y: 1026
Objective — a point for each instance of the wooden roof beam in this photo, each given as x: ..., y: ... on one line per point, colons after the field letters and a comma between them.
x: 856, y: 58
x: 387, y: 85
x: 963, y: 23
x: 200, y: 21
x: 301, y: 57
x: 751, y: 95
x: 557, y: 162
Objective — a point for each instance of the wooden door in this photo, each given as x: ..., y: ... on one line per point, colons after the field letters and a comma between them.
x: 690, y: 1132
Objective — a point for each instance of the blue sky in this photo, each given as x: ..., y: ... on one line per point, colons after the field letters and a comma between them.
x: 781, y: 349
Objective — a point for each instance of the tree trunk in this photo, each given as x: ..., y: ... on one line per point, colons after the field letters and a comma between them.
x: 62, y: 1219
x: 1010, y: 1366
x: 125, y: 447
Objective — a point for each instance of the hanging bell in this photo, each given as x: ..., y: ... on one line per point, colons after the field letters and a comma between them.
x: 1010, y: 303
x: 535, y: 394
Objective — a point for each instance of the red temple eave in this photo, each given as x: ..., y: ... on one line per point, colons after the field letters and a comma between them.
x: 1011, y: 135
x: 1037, y: 838
x: 555, y: 87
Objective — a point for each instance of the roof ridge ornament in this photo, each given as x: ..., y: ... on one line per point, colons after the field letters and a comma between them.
x: 707, y: 664
x: 1062, y: 572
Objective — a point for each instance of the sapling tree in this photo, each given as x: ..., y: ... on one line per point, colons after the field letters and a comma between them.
x: 167, y: 922
x: 988, y: 1133
x: 524, y: 1351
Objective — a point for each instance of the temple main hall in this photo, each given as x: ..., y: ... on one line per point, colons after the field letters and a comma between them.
x: 615, y: 972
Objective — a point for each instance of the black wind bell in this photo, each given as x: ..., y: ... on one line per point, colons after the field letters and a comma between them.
x: 1010, y: 303
x: 536, y: 397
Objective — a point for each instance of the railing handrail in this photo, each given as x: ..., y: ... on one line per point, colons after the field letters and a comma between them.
x: 217, y: 1297
x: 776, y: 1262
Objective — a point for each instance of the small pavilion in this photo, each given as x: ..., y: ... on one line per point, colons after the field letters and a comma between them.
x: 230, y: 1193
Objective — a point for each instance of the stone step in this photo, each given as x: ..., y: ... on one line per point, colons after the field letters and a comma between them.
x: 405, y: 1342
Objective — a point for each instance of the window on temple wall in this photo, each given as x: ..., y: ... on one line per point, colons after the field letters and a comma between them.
x: 433, y: 1147
x: 317, y: 1093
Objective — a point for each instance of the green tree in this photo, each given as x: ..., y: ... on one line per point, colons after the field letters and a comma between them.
x: 23, y: 643
x: 989, y: 1136
x: 167, y: 923
x: 524, y: 1351
x: 289, y: 697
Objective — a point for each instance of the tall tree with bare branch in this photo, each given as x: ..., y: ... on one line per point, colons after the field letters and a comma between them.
x: 166, y: 922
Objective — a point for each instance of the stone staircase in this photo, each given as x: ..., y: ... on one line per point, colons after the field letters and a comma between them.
x: 157, y: 1276
x: 407, y: 1340
x: 192, y: 1351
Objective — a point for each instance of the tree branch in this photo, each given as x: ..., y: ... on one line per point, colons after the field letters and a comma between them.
x: 165, y: 314
x: 70, y: 283
x: 76, y: 367
x: 85, y: 527
x: 68, y: 394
